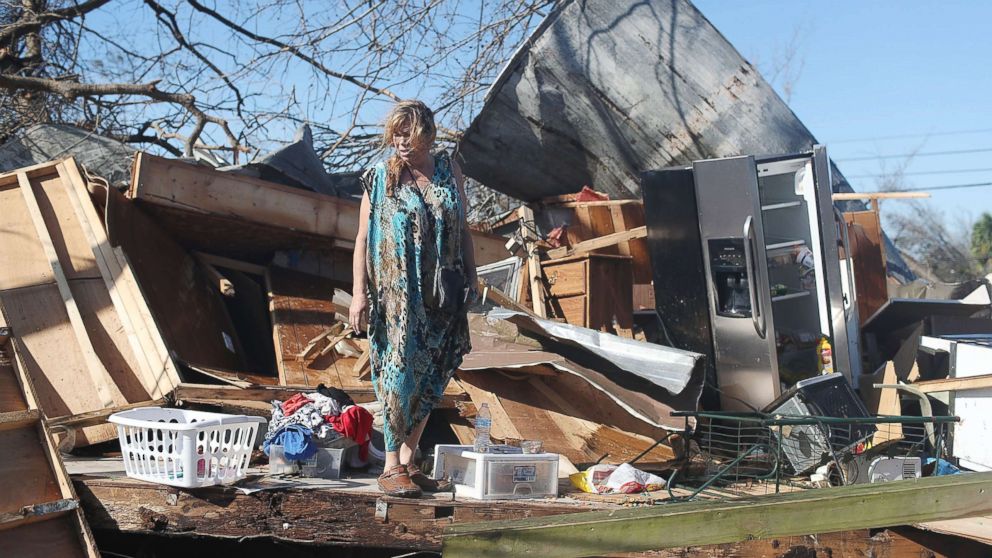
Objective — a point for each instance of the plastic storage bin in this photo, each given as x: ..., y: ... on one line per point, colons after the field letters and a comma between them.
x: 491, y: 476
x: 185, y: 448
x: 327, y: 463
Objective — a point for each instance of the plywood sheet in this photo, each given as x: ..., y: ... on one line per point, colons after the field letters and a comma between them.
x: 49, y: 539
x: 28, y: 479
x: 302, y: 308
x: 22, y: 259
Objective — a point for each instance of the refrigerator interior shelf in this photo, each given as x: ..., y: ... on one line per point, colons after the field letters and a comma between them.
x: 790, y: 296
x: 780, y: 205
x: 780, y: 243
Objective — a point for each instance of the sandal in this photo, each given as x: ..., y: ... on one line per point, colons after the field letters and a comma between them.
x: 424, y: 482
x: 396, y: 482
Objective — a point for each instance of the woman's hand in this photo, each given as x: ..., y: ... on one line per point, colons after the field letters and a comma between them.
x: 358, y: 311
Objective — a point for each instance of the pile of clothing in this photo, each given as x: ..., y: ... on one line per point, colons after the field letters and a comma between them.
x: 323, y: 418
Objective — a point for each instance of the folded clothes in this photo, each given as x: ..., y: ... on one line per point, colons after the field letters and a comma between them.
x: 296, y: 441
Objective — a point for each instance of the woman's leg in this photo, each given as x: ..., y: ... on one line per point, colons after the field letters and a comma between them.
x: 409, y: 448
x: 392, y: 459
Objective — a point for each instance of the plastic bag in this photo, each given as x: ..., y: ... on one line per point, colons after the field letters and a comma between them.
x: 627, y: 479
x: 607, y: 479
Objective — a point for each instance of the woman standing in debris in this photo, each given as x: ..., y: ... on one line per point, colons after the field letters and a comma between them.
x: 414, y: 275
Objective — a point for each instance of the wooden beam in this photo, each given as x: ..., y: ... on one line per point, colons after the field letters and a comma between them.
x: 955, y: 384
x: 594, y: 203
x: 208, y: 392
x: 879, y: 195
x: 237, y: 265
x: 224, y: 284
x: 805, y: 512
x: 99, y: 416
x: 157, y: 370
x: 36, y: 512
x: 536, y: 277
x: 604, y: 241
x: 500, y: 298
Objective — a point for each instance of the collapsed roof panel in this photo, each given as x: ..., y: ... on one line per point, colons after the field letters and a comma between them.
x: 605, y: 90
x: 41, y: 143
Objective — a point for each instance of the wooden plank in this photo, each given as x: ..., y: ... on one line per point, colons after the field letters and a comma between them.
x: 230, y: 263
x: 39, y: 511
x: 499, y: 298
x: 46, y: 539
x: 955, y: 384
x: 805, y: 512
x: 598, y: 243
x: 209, y: 392
x: 180, y: 185
x: 533, y: 260
x: 155, y: 367
x: 867, y: 244
x: 104, y: 384
x: 17, y: 419
x: 99, y: 416
x: 212, y: 210
x: 878, y: 195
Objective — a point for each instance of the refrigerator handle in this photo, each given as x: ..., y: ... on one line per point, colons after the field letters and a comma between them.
x: 847, y: 263
x: 756, y: 312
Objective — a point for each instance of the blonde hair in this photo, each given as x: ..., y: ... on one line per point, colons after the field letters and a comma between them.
x: 420, y: 118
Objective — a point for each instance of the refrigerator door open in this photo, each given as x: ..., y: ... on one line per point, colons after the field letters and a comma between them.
x: 734, y: 256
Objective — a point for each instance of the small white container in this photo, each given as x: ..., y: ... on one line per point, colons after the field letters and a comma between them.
x: 185, y: 448
x: 493, y: 476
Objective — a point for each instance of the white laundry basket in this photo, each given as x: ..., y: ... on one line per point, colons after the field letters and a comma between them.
x: 185, y: 448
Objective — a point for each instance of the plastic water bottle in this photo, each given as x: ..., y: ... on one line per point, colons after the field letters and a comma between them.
x: 483, y: 422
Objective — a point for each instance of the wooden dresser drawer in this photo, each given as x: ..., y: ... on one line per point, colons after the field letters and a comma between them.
x: 567, y: 278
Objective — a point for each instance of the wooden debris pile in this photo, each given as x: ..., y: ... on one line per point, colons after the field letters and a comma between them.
x: 200, y: 287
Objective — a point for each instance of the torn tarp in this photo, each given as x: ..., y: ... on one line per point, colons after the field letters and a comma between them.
x: 648, y: 381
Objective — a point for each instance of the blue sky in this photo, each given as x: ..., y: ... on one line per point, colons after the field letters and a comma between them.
x: 882, y: 69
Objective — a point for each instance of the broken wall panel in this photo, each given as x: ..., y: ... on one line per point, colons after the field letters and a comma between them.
x: 186, y: 306
x: 246, y: 217
x: 79, y: 342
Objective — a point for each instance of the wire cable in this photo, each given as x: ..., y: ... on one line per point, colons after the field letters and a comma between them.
x: 914, y: 155
x: 919, y: 135
x: 917, y: 173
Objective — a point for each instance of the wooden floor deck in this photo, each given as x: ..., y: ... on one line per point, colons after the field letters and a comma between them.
x: 351, y: 512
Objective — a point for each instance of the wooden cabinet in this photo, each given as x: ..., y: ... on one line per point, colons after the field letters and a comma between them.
x: 591, y: 290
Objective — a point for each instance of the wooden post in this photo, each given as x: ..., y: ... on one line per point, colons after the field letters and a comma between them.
x: 863, y: 506
x: 533, y: 260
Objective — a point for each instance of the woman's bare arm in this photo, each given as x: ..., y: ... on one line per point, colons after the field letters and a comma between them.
x: 359, y: 301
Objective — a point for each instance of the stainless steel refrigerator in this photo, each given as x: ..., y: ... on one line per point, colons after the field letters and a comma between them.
x: 745, y: 259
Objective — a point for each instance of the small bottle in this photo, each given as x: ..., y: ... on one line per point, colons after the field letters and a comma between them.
x: 825, y: 356
x: 483, y: 422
